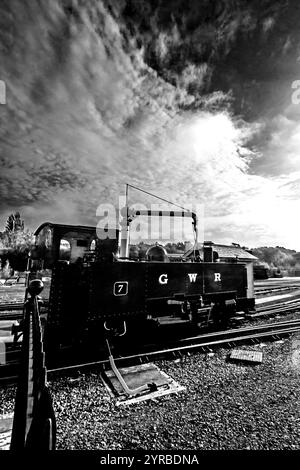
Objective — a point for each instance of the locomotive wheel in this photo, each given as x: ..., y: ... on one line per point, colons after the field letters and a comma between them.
x: 218, y: 315
x: 186, y: 312
x: 194, y: 316
x: 222, y: 312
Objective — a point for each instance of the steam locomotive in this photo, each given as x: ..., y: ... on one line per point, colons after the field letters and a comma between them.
x: 96, y: 286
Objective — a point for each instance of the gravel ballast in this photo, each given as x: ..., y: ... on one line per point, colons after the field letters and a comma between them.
x: 225, y: 406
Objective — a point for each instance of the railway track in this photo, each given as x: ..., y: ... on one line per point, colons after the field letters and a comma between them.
x: 276, y: 290
x: 275, y: 309
x: 14, y: 310
x: 7, y: 306
x: 203, y: 342
x: 276, y: 284
x: 11, y: 315
x: 17, y: 305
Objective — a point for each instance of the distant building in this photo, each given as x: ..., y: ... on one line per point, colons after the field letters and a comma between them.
x: 224, y: 253
x: 213, y: 252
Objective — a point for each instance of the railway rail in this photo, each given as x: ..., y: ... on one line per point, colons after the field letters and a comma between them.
x: 203, y: 342
x: 276, y: 290
x: 14, y: 310
x: 275, y: 309
x: 17, y: 305
x: 6, y: 306
x: 7, y: 373
x: 276, y: 284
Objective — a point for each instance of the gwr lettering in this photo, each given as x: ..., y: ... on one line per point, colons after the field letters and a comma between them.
x: 163, y: 278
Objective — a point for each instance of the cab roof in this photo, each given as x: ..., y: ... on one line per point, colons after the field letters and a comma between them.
x: 66, y: 228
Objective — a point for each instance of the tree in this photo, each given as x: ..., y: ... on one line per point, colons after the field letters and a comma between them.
x: 278, y: 257
x: 6, y: 272
x: 14, y: 223
x: 15, y: 242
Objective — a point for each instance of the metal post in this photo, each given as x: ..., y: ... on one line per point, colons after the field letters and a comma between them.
x: 34, y: 425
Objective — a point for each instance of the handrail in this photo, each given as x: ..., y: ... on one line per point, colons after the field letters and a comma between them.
x: 34, y: 424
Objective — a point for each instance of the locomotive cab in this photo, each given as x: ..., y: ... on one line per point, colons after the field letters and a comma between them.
x: 65, y: 253
x: 71, y: 244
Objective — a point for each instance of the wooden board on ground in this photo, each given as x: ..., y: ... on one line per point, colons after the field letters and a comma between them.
x: 135, y: 377
x: 246, y: 356
x: 6, y: 423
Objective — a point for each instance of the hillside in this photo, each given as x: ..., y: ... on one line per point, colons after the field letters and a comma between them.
x: 276, y: 257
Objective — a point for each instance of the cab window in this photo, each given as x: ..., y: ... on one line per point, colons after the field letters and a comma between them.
x: 64, y: 250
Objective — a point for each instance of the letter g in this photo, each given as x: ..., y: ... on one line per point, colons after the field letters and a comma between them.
x: 163, y: 279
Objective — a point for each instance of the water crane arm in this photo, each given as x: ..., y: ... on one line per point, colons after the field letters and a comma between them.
x: 132, y: 214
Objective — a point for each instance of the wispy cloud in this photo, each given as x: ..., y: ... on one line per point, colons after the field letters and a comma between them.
x: 107, y: 93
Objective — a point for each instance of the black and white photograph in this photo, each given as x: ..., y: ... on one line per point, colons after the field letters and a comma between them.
x: 149, y: 229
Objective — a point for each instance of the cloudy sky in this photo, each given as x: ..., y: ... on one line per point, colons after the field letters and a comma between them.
x: 190, y: 99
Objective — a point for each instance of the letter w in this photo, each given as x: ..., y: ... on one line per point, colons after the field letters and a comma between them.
x: 193, y: 277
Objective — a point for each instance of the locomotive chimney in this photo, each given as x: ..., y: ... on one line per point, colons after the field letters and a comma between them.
x: 208, y: 252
